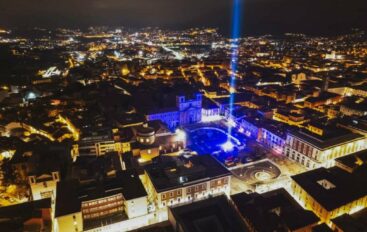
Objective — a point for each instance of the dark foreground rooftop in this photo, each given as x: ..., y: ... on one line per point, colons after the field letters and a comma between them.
x: 342, y: 187
x: 213, y: 214
x: 352, y: 223
x: 277, y: 208
x: 14, y: 217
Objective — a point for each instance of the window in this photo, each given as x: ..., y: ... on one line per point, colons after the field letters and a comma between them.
x: 163, y: 196
x: 171, y: 194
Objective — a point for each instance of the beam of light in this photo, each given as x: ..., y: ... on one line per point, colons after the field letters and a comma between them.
x: 235, y: 35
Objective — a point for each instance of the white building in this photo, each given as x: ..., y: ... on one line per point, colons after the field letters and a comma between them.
x: 171, y: 180
x: 43, y: 186
x: 313, y: 150
x: 117, y: 203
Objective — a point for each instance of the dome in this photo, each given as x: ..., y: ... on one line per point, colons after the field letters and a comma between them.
x: 145, y: 135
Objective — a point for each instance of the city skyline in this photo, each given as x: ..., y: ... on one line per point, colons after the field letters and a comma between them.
x: 183, y: 116
x: 327, y: 17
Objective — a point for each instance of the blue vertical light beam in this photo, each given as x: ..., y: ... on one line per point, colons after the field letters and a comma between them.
x: 235, y: 35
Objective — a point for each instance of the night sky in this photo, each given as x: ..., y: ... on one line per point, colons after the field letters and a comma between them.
x: 259, y: 16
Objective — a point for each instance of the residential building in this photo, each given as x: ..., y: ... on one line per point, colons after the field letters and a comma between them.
x: 107, y: 203
x: 29, y: 216
x: 332, y: 192
x: 212, y: 214
x: 43, y: 186
x: 277, y: 208
x: 354, y: 222
x: 176, y: 180
x: 314, y: 150
x: 273, y: 136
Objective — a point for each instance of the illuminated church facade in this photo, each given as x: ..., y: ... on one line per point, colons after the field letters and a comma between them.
x: 187, y: 111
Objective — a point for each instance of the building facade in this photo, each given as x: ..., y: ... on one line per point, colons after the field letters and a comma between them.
x: 118, y: 203
x: 330, y: 193
x: 186, y: 180
x: 315, y: 151
x: 272, y: 139
x: 187, y: 111
x: 43, y: 186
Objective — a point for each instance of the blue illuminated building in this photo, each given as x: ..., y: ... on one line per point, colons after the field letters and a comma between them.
x: 273, y: 137
x: 187, y: 111
x: 251, y: 126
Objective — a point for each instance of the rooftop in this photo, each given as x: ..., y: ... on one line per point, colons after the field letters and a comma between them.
x: 359, y: 124
x: 334, y: 187
x: 354, y: 160
x: 71, y: 193
x: 213, y: 214
x: 277, y: 208
x: 352, y: 223
x: 126, y: 182
x: 172, y: 172
x: 333, y: 138
x: 321, y: 228
x: 67, y: 201
x: 323, y: 97
x: 12, y: 217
